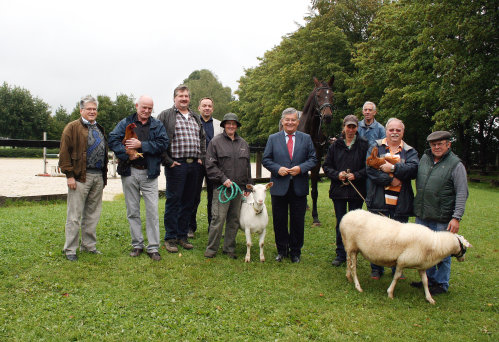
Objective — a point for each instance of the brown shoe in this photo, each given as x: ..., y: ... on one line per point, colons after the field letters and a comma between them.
x: 185, y: 244
x: 136, y: 252
x: 171, y: 246
x: 154, y: 256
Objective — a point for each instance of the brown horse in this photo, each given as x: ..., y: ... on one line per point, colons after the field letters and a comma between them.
x: 317, y: 109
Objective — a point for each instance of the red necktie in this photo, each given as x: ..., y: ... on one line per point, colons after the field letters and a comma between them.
x: 290, y: 145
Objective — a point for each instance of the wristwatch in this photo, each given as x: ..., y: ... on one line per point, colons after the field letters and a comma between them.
x: 456, y: 218
x: 392, y: 169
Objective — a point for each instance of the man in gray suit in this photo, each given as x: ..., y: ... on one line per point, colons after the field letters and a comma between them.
x: 289, y: 155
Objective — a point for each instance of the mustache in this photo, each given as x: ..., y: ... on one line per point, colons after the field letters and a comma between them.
x: 394, y: 135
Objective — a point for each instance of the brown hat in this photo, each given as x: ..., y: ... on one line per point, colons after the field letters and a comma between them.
x: 439, y: 135
x: 350, y: 120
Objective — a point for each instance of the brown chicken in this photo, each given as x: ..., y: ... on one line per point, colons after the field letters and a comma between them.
x: 375, y: 162
x: 129, y: 134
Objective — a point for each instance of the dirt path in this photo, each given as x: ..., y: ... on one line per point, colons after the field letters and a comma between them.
x: 19, y: 178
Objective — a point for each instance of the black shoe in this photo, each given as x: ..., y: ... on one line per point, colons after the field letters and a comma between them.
x: 71, y: 257
x: 436, y: 290
x: 154, y: 256
x: 136, y: 252
x: 295, y: 259
x: 417, y: 284
x: 230, y: 255
x: 279, y: 257
x: 338, y: 262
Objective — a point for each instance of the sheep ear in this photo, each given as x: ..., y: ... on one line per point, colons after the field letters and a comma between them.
x: 269, y: 185
x: 249, y: 186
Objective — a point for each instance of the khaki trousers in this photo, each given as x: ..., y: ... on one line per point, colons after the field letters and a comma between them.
x: 84, y: 209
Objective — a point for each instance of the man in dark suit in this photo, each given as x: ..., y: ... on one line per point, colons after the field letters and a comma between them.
x: 289, y: 155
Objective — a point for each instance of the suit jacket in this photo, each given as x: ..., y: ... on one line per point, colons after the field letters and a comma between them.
x: 276, y: 155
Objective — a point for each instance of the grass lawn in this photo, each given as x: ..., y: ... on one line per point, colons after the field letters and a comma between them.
x: 185, y: 297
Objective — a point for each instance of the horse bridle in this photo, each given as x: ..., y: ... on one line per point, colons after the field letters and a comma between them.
x: 324, y: 105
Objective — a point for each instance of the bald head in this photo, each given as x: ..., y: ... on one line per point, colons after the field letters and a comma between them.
x: 144, y: 108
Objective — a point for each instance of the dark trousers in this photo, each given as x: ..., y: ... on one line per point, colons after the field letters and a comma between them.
x: 296, y: 205
x: 390, y: 214
x: 340, y: 209
x: 209, y: 189
x: 181, y: 183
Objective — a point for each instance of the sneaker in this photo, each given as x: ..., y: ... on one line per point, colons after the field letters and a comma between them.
x: 71, y: 257
x: 436, y: 290
x: 375, y: 274
x: 154, y: 256
x: 136, y: 252
x: 230, y: 255
x: 185, y: 244
x: 402, y: 277
x: 338, y: 262
x: 171, y: 246
x: 190, y: 234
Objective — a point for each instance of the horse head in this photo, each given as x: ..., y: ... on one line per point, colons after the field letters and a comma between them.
x: 323, y: 97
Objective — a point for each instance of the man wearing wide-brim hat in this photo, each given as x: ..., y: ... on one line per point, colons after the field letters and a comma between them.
x: 442, y: 190
x: 227, y: 162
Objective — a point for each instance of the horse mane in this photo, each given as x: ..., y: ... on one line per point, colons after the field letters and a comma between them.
x: 307, y: 116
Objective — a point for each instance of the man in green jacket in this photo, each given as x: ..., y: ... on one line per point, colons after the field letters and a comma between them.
x: 442, y: 190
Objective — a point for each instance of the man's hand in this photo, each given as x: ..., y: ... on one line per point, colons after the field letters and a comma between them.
x: 283, y: 171
x: 386, y: 167
x: 174, y: 164
x: 350, y: 176
x: 342, y: 176
x: 395, y: 182
x: 200, y: 162
x: 228, y: 183
x: 72, y: 183
x: 294, y: 171
x: 453, y: 226
x: 133, y: 143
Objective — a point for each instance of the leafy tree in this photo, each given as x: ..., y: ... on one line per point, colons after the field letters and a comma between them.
x: 203, y: 83
x: 22, y: 116
x: 57, y: 123
x: 110, y: 112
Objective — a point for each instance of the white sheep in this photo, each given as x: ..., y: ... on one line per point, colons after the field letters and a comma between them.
x: 254, y: 217
x: 387, y: 242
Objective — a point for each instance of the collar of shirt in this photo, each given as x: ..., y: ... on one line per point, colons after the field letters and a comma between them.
x: 88, y: 123
x: 400, y: 147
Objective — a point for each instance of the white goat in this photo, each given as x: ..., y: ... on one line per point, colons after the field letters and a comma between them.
x: 387, y: 242
x: 254, y: 217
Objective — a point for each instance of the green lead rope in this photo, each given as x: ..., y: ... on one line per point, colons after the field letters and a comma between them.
x: 234, y: 191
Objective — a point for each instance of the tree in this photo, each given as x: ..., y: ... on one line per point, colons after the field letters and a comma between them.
x: 57, y: 123
x: 110, y: 112
x: 203, y: 83
x: 22, y: 116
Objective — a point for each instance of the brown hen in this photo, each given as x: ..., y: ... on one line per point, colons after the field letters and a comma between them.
x: 129, y: 134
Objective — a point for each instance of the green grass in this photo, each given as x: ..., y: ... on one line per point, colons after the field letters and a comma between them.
x: 185, y: 297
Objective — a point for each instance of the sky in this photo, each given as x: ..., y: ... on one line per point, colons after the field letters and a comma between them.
x: 63, y: 50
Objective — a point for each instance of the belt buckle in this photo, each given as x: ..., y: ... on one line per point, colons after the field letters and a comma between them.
x: 189, y: 160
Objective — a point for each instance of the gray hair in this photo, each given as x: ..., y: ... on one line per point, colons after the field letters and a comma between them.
x: 181, y: 87
x: 290, y: 110
x: 87, y: 99
x: 369, y: 103
x: 394, y: 120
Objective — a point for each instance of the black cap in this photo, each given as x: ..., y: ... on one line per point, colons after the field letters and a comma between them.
x: 439, y: 135
x: 228, y: 117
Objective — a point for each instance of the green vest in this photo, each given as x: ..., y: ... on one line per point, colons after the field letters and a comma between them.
x: 435, y: 198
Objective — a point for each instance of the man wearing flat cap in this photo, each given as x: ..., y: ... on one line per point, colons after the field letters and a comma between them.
x: 227, y: 162
x: 442, y: 190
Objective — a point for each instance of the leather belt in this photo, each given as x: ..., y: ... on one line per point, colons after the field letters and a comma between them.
x: 139, y: 167
x: 188, y: 160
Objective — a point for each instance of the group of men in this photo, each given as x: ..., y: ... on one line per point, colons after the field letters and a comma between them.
x: 441, y: 185
x: 178, y: 139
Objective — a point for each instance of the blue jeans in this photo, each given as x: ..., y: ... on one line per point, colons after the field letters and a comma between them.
x: 403, y: 219
x: 340, y: 209
x: 440, y: 273
x: 181, y: 182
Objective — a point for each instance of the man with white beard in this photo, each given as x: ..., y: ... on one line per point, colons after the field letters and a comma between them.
x: 390, y: 192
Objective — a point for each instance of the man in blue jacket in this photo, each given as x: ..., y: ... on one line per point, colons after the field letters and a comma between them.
x: 289, y: 155
x: 139, y: 168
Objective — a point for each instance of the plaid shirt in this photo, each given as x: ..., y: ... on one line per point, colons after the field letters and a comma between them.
x: 186, y: 142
